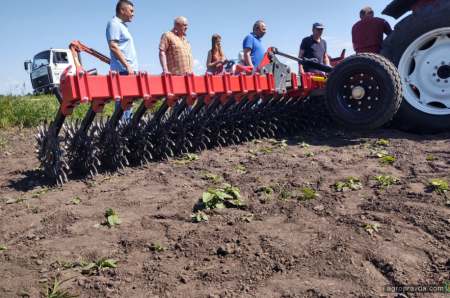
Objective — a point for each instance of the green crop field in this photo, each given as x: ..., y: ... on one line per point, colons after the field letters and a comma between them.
x: 23, y: 111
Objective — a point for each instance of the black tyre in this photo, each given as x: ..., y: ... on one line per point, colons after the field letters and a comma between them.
x: 363, y: 92
x: 425, y: 77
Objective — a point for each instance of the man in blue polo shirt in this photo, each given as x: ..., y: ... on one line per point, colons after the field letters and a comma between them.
x: 123, y: 54
x: 314, y: 46
x: 253, y: 50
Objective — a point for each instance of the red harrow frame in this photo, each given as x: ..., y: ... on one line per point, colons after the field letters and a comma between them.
x: 361, y: 92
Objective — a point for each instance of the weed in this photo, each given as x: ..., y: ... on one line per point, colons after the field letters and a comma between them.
x: 273, y: 141
x: 239, y: 169
x: 256, y: 178
x: 157, y: 247
x: 34, y: 209
x: 378, y: 152
x: 265, y: 150
x: 2, y: 247
x: 308, y: 154
x: 382, y: 142
x: 294, y: 155
x: 19, y: 201
x: 200, y: 216
x: 282, y: 144
x: 4, y: 142
x: 113, y: 218
x: 248, y: 218
x: 64, y: 265
x: 352, y: 184
x: 250, y: 156
x: 190, y: 157
x: 229, y: 159
x: 102, y: 265
x: 74, y: 201
x: 211, y: 176
x: 250, y: 150
x: 371, y: 228
x: 431, y: 158
x: 53, y: 292
x: 256, y: 141
x: 307, y: 195
x: 40, y: 192
x: 387, y: 160
x: 324, y: 150
x: 282, y: 194
x: 303, y: 145
x: 111, y: 177
x: 9, y: 152
x: 385, y: 180
x: 177, y: 162
x: 439, y: 185
x: 38, y: 167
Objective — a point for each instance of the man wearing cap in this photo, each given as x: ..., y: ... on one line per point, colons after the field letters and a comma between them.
x: 367, y: 34
x: 314, y: 46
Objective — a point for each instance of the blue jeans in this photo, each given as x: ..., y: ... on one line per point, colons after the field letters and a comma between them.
x: 126, y: 114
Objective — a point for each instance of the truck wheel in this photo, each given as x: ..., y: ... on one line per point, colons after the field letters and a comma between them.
x: 57, y: 91
x: 363, y: 92
x: 419, y: 47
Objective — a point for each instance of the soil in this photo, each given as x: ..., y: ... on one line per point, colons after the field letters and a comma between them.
x: 291, y: 248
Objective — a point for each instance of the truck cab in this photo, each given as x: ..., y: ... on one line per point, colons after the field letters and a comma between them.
x: 46, y: 68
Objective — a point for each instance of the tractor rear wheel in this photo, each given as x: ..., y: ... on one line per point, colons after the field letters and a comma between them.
x: 363, y: 92
x: 419, y: 47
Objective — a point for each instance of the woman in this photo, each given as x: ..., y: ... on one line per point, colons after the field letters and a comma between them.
x: 216, y: 59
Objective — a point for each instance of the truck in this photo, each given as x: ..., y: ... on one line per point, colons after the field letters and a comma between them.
x: 419, y: 47
x: 46, y: 67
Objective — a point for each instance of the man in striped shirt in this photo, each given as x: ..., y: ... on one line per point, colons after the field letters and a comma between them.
x: 175, y: 52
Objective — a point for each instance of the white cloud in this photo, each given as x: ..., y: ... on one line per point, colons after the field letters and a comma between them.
x: 198, y: 66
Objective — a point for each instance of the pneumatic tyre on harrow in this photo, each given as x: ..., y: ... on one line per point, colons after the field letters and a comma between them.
x: 363, y: 92
x: 419, y: 47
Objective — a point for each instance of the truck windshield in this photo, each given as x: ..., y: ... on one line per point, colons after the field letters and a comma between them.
x: 41, y: 59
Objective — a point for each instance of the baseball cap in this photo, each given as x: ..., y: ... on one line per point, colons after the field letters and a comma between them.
x: 318, y: 25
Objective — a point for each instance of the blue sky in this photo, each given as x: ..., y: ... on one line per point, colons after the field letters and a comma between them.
x: 33, y: 26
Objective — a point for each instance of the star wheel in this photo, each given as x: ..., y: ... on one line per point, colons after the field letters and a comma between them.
x: 50, y: 153
x: 110, y: 144
x: 80, y: 150
x: 158, y: 137
x: 136, y: 140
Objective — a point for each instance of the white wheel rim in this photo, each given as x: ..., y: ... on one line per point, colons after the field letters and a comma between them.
x: 429, y: 76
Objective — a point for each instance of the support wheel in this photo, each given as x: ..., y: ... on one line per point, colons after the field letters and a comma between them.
x: 363, y: 92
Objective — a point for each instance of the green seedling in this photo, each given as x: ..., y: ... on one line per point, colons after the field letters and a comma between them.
x: 256, y: 178
x: 370, y: 228
x: 4, y: 142
x: 214, y: 198
x: 157, y: 247
x: 324, y: 150
x: 40, y: 192
x: 273, y: 141
x: 34, y: 209
x: 113, y: 218
x: 303, y: 145
x: 111, y: 177
x: 239, y: 169
x: 250, y: 150
x: 200, y: 216
x: 378, y: 152
x: 251, y: 156
x: 64, y: 265
x: 102, y: 265
x: 216, y: 178
x: 185, y: 185
x: 307, y: 195
x: 179, y: 163
x: 385, y: 180
x: 294, y: 155
x: 256, y: 141
x: 53, y: 292
x: 282, y: 194
x: 383, y: 143
x: 308, y: 154
x: 248, y: 218
x: 265, y: 150
x: 9, y: 152
x: 229, y: 159
x: 282, y: 144
x: 38, y: 167
x: 439, y: 185
x: 2, y: 247
x: 234, y: 192
x: 189, y: 157
x: 431, y: 158
x: 352, y: 184
x: 387, y: 160
x: 74, y: 201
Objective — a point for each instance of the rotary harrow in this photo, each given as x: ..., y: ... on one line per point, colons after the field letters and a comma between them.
x: 362, y: 92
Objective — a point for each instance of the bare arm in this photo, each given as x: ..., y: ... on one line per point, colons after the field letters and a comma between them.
x: 213, y: 64
x: 326, y: 61
x: 300, y: 55
x: 163, y: 60
x: 247, y: 58
x: 114, y: 47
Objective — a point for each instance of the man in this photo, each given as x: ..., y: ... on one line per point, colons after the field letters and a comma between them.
x: 367, y: 34
x: 175, y: 52
x: 253, y: 50
x: 314, y: 46
x: 122, y: 52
